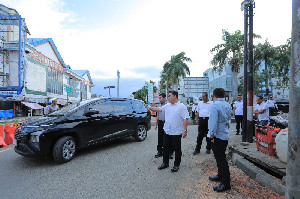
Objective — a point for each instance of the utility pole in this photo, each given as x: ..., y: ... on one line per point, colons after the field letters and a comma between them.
x: 293, y: 163
x: 244, y: 123
x: 248, y: 127
x: 109, y: 87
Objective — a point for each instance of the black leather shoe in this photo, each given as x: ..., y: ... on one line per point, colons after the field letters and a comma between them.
x: 171, y: 156
x: 207, y: 151
x: 222, y: 187
x: 237, y: 133
x: 159, y: 154
x: 196, y: 152
x: 163, y: 166
x: 175, y: 169
x: 214, y: 178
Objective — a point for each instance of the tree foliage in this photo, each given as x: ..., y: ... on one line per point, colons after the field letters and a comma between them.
x: 174, y: 69
x: 142, y: 93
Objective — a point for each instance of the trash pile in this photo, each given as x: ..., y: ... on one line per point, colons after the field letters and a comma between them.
x: 280, y: 121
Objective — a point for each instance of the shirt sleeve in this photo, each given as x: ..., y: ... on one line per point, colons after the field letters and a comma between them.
x: 234, y: 105
x: 265, y: 106
x: 184, y: 113
x: 163, y: 108
x: 213, y: 121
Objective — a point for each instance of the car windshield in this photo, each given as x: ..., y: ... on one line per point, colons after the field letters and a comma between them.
x: 69, y: 108
x: 64, y: 110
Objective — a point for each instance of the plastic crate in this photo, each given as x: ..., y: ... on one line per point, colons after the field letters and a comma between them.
x: 267, y: 148
x: 265, y: 133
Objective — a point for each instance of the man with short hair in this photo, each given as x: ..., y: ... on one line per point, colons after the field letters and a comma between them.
x: 176, y: 122
x: 238, y: 113
x: 262, y: 111
x: 218, y: 125
x: 160, y: 120
x: 202, y: 117
x: 53, y: 107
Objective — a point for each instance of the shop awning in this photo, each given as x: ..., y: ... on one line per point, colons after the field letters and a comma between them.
x: 32, y: 105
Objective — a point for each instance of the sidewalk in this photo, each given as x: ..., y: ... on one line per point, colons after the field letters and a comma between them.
x: 265, y: 169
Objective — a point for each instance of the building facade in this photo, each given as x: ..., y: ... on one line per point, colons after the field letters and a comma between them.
x: 33, y: 71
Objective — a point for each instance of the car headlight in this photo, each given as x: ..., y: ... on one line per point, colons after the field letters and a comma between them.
x: 35, y: 137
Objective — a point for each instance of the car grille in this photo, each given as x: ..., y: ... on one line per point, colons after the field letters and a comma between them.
x: 19, y: 136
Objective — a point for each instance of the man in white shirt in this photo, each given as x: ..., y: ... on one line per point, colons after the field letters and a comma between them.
x: 262, y: 111
x: 272, y: 105
x: 202, y: 117
x: 176, y: 122
x: 238, y: 113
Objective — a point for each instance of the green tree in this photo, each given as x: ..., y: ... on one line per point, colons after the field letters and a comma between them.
x: 231, y: 52
x: 142, y: 93
x: 174, y: 69
x: 266, y: 53
x: 282, y: 67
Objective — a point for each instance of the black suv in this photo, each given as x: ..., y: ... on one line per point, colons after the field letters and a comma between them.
x: 63, y: 132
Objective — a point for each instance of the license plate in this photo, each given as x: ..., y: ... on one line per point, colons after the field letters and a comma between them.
x: 15, y: 141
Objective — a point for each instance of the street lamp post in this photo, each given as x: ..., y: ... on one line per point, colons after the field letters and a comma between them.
x: 109, y: 87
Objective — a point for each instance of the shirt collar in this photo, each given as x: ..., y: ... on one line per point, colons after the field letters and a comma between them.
x: 220, y: 99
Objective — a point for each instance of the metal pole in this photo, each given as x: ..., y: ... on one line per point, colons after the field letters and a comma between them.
x: 118, y: 87
x: 250, y: 125
x: 244, y: 123
x: 293, y: 163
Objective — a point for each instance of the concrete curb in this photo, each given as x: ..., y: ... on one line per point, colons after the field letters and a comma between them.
x: 258, y: 174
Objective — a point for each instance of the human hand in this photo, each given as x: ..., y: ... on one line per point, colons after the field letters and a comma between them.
x: 197, y: 121
x: 184, y: 134
x: 212, y: 138
x: 155, y: 127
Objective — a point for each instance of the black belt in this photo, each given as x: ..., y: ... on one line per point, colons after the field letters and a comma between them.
x: 204, y: 118
x: 161, y: 120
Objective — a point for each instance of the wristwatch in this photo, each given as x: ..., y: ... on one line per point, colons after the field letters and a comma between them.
x: 185, y: 130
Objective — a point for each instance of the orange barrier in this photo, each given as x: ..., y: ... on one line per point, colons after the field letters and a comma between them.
x: 2, y: 143
x: 7, y: 133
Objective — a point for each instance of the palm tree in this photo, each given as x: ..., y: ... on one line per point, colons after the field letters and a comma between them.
x: 231, y: 52
x: 176, y: 68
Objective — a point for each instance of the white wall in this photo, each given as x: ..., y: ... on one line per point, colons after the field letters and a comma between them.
x: 47, y: 50
x: 36, y: 77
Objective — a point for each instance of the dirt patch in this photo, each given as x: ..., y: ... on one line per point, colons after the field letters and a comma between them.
x: 242, y: 186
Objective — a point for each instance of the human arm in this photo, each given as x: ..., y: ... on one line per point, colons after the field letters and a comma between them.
x: 213, y: 122
x: 155, y: 109
x: 197, y: 118
x: 233, y: 112
x: 185, y: 124
x: 156, y: 123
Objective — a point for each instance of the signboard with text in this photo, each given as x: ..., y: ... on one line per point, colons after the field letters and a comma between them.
x: 150, y: 93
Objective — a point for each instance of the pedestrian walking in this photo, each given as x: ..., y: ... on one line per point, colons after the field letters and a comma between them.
x: 202, y: 117
x: 159, y: 126
x: 176, y: 122
x: 262, y: 111
x: 272, y: 106
x: 238, y: 113
x: 218, y: 125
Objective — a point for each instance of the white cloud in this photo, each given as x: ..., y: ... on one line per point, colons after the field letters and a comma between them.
x: 152, y: 32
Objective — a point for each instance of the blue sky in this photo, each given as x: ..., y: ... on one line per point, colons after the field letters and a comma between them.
x: 138, y: 36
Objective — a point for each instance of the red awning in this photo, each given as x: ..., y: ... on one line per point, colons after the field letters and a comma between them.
x: 32, y: 105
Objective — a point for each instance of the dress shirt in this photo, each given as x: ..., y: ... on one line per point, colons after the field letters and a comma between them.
x: 204, y: 108
x: 238, y: 105
x: 271, y: 103
x: 161, y: 115
x: 264, y: 115
x: 174, y: 116
x: 219, y: 119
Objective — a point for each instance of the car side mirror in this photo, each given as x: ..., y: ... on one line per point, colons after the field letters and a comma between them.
x: 89, y: 113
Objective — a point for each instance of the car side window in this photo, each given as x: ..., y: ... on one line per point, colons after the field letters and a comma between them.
x: 79, y: 112
x: 102, y: 107
x: 122, y: 106
x: 137, y: 105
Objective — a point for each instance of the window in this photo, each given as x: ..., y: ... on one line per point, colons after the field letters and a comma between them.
x: 102, y: 107
x: 137, y: 105
x: 122, y: 106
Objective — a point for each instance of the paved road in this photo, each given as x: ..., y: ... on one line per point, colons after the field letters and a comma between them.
x: 119, y: 169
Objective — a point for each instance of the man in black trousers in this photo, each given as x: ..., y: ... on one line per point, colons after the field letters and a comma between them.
x: 202, y: 117
x: 159, y: 126
x: 218, y: 126
x: 176, y: 122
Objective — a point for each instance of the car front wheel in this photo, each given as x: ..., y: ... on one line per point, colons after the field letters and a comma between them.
x: 64, y: 149
x: 141, y: 133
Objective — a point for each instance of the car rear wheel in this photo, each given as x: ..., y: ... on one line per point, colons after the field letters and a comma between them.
x: 141, y: 133
x: 64, y: 149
